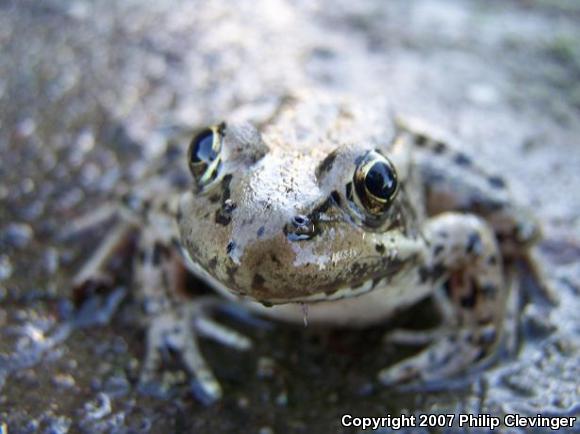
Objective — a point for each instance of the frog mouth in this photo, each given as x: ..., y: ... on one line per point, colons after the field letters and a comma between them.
x: 319, y: 297
x: 382, y: 276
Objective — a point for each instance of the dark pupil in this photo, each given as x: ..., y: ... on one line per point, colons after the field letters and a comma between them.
x: 202, y: 148
x: 380, y: 181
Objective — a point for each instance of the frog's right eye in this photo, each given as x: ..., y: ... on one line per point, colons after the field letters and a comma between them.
x: 204, y: 154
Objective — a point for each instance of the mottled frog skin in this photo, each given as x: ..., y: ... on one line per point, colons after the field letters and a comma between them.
x: 330, y: 211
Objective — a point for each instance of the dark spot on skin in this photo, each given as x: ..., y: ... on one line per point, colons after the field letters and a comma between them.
x: 178, y: 215
x: 462, y: 160
x: 431, y: 273
x: 438, y: 271
x: 348, y: 189
x: 258, y: 282
x: 439, y: 148
x: 214, y: 198
x: 424, y: 274
x: 468, y: 301
x: 443, y: 234
x: 212, y: 263
x: 335, y: 197
x: 481, y: 205
x: 492, y: 260
x: 380, y: 248
x: 488, y: 290
x: 231, y: 246
x: 232, y: 271
x: 438, y: 249
x: 420, y: 140
x: 226, y: 187
x: 261, y: 230
x: 145, y: 206
x: 141, y: 256
x: 486, y: 319
x: 275, y: 259
x: 444, y: 361
x: 487, y: 337
x: 321, y: 209
x: 433, y: 178
x: 326, y: 164
x: 473, y: 243
x: 481, y: 354
x: 223, y: 216
x: 496, y: 182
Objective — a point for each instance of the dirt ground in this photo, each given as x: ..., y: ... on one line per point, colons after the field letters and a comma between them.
x: 90, y: 93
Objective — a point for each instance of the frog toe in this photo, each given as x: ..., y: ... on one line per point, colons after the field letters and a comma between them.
x: 440, y: 361
x: 178, y: 331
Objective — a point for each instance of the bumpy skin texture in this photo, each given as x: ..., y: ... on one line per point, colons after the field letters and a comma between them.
x: 451, y: 231
x: 305, y: 170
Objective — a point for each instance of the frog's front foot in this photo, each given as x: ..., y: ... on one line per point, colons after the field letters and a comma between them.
x: 471, y: 297
x: 448, y: 353
x: 178, y: 330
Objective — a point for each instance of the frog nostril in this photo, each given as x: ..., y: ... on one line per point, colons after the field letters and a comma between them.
x: 300, y: 220
x: 300, y: 228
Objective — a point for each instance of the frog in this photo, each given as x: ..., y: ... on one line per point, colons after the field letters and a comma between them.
x: 329, y: 212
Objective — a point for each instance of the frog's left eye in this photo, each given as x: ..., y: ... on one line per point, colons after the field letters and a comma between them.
x: 204, y: 154
x: 375, y: 183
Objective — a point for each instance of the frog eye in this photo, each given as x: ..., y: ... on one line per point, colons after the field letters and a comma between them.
x: 204, y: 154
x: 375, y: 183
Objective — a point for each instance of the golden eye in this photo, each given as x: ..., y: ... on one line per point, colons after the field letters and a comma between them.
x: 375, y: 183
x: 204, y: 155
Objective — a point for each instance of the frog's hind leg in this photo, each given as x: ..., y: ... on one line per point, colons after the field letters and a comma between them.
x: 175, y: 323
x: 466, y: 266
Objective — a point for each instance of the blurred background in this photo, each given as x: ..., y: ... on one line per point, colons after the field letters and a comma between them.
x: 90, y: 93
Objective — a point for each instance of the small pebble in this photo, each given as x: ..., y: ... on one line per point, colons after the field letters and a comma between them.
x: 537, y: 322
x: 266, y: 367
x: 99, y: 408
x: 483, y: 94
x: 17, y: 235
x: 51, y: 260
x: 282, y: 399
x: 64, y: 381
x: 117, y: 385
x: 5, y: 267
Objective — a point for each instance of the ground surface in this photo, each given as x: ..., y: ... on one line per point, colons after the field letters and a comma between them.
x: 87, y: 93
